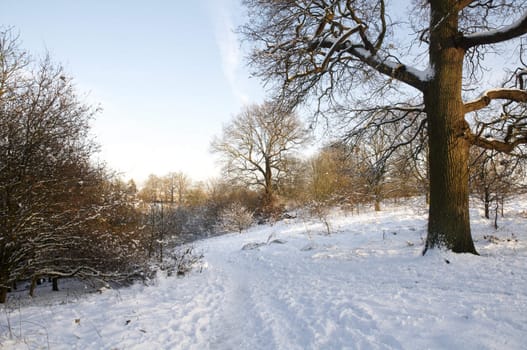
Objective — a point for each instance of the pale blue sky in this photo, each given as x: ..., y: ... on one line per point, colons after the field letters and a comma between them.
x: 168, y: 74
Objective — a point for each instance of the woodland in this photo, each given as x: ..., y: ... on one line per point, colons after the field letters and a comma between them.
x: 407, y: 119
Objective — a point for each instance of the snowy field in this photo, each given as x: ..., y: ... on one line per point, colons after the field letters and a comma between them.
x: 365, y: 286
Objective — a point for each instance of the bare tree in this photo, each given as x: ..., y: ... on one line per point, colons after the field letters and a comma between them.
x: 166, y: 214
x: 176, y: 185
x: 325, y: 182
x: 347, y: 53
x: 152, y: 189
x: 495, y: 176
x: 374, y: 167
x: 255, y: 146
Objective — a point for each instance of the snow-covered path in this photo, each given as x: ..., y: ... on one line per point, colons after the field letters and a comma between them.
x: 366, y: 286
x: 238, y: 315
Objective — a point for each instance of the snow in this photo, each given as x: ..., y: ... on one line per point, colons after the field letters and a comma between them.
x: 508, y: 28
x: 422, y: 75
x: 365, y: 286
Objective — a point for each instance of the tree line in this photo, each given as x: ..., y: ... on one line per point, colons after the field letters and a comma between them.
x: 344, y: 173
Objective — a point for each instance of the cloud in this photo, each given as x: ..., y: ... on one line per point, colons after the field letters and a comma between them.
x: 228, y: 45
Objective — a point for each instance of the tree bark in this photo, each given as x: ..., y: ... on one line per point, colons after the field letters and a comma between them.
x: 4, y: 280
x: 268, y: 178
x: 496, y: 215
x: 449, y: 222
x: 33, y: 286
x: 55, y: 284
x: 3, y: 295
x: 268, y: 202
x: 487, y: 203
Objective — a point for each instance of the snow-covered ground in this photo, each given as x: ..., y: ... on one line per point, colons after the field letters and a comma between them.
x: 365, y: 286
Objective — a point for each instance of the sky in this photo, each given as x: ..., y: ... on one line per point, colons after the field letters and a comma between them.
x: 166, y: 74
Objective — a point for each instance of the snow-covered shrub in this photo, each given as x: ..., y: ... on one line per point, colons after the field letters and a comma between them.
x: 320, y: 211
x: 182, y: 261
x: 235, y: 217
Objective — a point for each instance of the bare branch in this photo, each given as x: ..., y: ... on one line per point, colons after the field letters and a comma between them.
x: 497, y: 145
x: 486, y: 98
x: 392, y: 68
x: 463, y: 3
x: 505, y: 33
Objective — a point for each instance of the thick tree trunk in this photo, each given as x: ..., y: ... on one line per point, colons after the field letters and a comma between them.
x: 449, y: 222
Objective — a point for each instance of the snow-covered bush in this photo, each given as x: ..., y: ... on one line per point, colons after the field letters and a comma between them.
x: 61, y: 214
x: 320, y: 211
x: 182, y: 261
x: 235, y: 217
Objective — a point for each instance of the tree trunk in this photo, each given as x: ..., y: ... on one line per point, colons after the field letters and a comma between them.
x: 449, y: 222
x: 55, y: 284
x: 496, y: 215
x: 3, y: 295
x: 268, y: 182
x: 4, y: 280
x: 268, y: 200
x: 33, y: 285
x: 161, y: 233
x: 487, y: 204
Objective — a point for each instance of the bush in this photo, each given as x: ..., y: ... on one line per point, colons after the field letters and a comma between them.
x: 235, y: 217
x: 182, y: 261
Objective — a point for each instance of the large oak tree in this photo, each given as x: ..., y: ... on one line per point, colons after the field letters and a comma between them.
x: 349, y: 50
